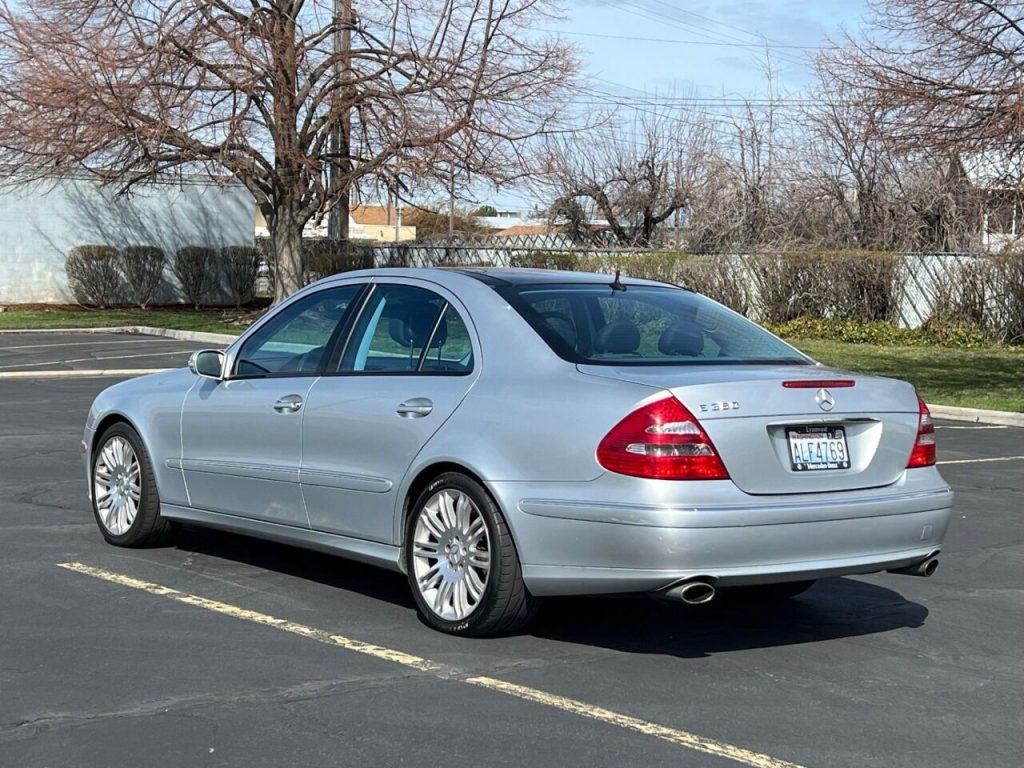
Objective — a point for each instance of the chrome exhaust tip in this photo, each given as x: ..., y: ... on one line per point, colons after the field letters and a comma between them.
x: 923, y: 568
x: 693, y: 592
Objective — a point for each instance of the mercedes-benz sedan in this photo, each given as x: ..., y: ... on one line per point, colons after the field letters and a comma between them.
x: 502, y: 435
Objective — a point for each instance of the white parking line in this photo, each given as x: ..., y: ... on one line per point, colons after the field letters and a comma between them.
x: 84, y: 373
x: 681, y: 738
x: 972, y: 426
x: 981, y: 461
x: 91, y: 359
x: 84, y: 344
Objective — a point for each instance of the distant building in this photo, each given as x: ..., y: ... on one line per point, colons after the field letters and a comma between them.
x: 520, y: 230
x: 41, y: 221
x: 995, y: 184
x: 376, y: 223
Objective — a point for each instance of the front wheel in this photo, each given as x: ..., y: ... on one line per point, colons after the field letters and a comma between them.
x: 124, y: 497
x: 462, y: 564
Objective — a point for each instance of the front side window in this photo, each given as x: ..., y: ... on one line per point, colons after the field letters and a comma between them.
x: 405, y: 329
x: 644, y: 325
x: 296, y: 339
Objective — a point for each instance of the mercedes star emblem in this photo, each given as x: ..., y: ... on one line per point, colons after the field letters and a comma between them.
x: 825, y: 400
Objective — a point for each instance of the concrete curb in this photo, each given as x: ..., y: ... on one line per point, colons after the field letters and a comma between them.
x: 977, y: 415
x: 140, y: 330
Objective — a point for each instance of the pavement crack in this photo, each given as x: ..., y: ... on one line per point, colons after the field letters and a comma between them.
x: 306, y: 691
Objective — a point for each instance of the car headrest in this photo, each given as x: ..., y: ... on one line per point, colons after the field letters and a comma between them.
x: 619, y: 337
x: 683, y: 337
x: 412, y: 328
x: 562, y: 325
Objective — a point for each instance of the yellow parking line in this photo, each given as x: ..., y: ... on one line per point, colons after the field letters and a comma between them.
x: 312, y: 633
x: 681, y: 738
x: 980, y: 461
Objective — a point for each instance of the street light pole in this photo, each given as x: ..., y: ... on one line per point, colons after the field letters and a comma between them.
x: 341, y: 132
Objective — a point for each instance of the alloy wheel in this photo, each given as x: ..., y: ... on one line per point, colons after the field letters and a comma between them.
x: 117, y: 486
x: 451, y: 554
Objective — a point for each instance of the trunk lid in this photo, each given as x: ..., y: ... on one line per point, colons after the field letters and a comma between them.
x: 750, y: 417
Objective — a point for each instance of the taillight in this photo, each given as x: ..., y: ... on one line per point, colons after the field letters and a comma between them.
x: 923, y: 454
x: 663, y: 441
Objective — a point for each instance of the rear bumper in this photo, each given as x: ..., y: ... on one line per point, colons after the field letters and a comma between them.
x: 570, y: 546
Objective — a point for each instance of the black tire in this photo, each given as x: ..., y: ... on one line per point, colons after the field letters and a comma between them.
x: 505, y: 605
x: 148, y: 528
x: 772, y: 593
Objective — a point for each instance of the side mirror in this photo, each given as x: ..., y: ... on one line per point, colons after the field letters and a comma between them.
x: 208, y: 363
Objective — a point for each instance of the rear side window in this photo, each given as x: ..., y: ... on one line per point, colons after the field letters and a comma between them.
x: 644, y: 325
x: 406, y: 329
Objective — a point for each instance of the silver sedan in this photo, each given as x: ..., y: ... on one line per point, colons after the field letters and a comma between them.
x: 503, y: 435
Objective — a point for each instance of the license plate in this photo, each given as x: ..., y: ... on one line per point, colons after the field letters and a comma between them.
x: 814, y: 448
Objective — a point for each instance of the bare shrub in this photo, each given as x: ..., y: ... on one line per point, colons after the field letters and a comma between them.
x: 721, y: 278
x: 853, y: 285
x: 1008, y: 320
x: 143, y: 269
x: 195, y: 268
x: 93, y: 275
x: 323, y: 257
x: 961, y: 298
x: 785, y: 286
x: 859, y: 286
x: 544, y: 260
x: 241, y: 265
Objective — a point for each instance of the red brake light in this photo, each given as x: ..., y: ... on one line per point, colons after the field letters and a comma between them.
x: 923, y: 454
x: 663, y: 441
x: 819, y: 383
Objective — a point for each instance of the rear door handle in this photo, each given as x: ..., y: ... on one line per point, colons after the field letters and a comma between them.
x: 416, y: 408
x: 288, y: 404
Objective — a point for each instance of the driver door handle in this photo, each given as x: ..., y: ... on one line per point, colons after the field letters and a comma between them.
x: 416, y: 408
x: 288, y: 404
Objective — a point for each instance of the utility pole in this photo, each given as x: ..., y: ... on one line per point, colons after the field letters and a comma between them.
x: 341, y: 132
x: 451, y: 203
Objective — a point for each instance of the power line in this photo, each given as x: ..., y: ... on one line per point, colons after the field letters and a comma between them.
x: 691, y: 42
x: 714, y: 35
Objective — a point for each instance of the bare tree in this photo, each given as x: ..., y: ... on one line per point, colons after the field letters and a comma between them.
x: 635, y: 173
x: 275, y: 94
x: 850, y: 160
x: 948, y: 73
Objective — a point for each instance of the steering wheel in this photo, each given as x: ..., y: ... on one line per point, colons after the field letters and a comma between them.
x: 250, y: 363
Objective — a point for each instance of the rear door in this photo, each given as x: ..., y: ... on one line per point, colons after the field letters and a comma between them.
x: 409, y: 362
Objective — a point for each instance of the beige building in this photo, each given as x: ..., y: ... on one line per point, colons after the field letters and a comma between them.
x: 375, y: 223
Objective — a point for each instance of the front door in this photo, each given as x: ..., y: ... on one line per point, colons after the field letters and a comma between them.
x: 242, y: 437
x: 407, y: 367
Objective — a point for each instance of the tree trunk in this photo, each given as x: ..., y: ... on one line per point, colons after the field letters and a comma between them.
x: 286, y: 242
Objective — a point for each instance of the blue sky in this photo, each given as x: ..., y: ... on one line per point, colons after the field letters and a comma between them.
x: 724, y: 41
x: 712, y: 49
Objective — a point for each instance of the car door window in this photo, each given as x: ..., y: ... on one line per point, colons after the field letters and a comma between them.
x: 296, y: 340
x: 405, y: 329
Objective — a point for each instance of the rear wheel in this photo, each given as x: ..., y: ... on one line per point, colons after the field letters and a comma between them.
x: 462, y: 564
x: 124, y: 496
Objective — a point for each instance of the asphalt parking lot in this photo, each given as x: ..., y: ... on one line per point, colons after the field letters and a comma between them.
x: 226, y: 651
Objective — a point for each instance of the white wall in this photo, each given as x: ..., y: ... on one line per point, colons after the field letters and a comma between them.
x: 40, y: 223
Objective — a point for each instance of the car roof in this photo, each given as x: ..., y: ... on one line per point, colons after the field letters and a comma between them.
x: 498, y: 276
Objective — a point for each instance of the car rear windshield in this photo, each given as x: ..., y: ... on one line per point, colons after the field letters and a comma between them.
x: 644, y: 325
